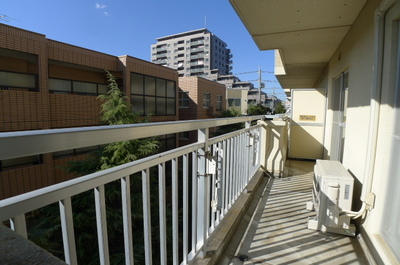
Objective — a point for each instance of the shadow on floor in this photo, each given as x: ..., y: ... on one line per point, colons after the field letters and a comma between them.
x: 278, y: 231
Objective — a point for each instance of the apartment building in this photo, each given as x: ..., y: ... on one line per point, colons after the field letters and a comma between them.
x: 199, y: 98
x: 46, y: 84
x: 193, y: 53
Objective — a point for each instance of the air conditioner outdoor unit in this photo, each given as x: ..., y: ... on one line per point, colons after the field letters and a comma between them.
x: 332, y: 197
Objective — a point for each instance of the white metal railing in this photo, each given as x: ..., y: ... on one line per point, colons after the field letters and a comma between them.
x: 206, y: 179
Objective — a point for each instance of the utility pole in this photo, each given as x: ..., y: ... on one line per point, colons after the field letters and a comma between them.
x: 259, y: 85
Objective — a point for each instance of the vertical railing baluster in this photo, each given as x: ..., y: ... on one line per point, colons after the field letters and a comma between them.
x: 237, y: 165
x: 221, y: 181
x: 194, y: 202
x: 175, y: 211
x: 18, y: 225
x: 162, y: 213
x: 67, y: 228
x: 247, y: 161
x: 240, y: 165
x: 101, y: 220
x: 127, y: 218
x: 231, y: 175
x: 226, y: 175
x: 147, y: 215
x: 213, y: 193
x: 185, y: 198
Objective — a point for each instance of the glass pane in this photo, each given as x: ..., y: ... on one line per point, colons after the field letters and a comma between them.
x: 171, y: 89
x: 60, y: 85
x: 137, y: 104
x: 82, y: 87
x: 17, y: 80
x: 26, y: 160
x: 170, y: 106
x: 150, y: 86
x: 103, y: 89
x: 150, y: 105
x: 161, y: 106
x: 136, y: 84
x: 161, y: 88
x: 171, y: 144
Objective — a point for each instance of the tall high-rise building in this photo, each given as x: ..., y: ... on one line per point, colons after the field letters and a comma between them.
x: 193, y: 53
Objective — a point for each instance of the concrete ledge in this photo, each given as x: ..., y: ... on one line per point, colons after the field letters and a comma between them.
x: 17, y: 250
x: 222, y: 235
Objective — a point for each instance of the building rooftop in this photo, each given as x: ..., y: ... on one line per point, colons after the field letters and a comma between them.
x: 183, y: 34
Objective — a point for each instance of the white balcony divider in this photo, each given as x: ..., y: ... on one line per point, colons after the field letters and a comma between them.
x: 206, y: 179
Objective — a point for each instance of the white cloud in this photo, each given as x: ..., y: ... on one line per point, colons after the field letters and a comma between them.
x: 106, y: 13
x: 100, y: 6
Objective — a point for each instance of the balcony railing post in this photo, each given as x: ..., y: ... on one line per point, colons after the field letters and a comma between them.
x: 202, y: 192
x: 67, y: 227
x: 18, y: 224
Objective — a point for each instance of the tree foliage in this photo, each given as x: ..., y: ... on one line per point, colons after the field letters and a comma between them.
x: 258, y: 110
x: 115, y: 111
x: 229, y: 113
x: 280, y: 108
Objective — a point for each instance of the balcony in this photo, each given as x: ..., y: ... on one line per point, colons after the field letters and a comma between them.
x: 201, y: 55
x: 213, y: 187
x: 197, y: 70
x: 198, y: 42
x: 199, y: 49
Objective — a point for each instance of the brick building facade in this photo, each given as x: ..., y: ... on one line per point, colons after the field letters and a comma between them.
x: 199, y: 98
x: 45, y: 84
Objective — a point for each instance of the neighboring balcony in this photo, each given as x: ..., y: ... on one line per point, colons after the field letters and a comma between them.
x: 195, y: 199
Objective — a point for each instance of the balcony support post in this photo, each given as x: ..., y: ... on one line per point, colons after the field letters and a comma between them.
x: 203, y: 190
x: 274, y: 150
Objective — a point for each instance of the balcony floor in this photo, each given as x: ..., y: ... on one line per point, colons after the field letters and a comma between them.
x: 278, y: 231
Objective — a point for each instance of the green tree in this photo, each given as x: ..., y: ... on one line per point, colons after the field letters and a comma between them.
x: 115, y: 111
x: 229, y: 113
x: 258, y: 110
x: 280, y: 108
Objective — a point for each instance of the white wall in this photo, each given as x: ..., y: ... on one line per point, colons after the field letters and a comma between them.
x: 356, y: 54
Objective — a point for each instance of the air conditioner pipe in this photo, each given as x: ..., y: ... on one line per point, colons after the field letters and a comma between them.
x: 376, y: 92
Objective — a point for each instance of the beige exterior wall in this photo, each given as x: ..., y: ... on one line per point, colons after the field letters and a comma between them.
x: 238, y: 94
x: 356, y: 55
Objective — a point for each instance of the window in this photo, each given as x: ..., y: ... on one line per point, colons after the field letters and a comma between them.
x: 234, y: 102
x: 183, y: 99
x: 18, y: 81
x: 219, y: 102
x: 152, y: 95
x: 167, y: 142
x: 206, y: 100
x: 75, y: 152
x: 184, y: 136
x: 340, y: 95
x: 20, y: 162
x: 62, y: 86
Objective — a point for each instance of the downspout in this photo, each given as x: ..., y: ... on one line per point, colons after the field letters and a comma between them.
x: 367, y: 197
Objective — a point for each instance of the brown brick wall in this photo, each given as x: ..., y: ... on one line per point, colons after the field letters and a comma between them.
x: 197, y: 86
x: 24, y: 110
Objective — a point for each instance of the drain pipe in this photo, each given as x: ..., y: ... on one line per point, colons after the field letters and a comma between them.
x: 367, y: 196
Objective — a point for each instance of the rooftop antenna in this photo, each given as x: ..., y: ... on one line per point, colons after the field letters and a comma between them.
x: 205, y: 21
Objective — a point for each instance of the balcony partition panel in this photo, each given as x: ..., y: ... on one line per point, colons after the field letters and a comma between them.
x: 187, y: 190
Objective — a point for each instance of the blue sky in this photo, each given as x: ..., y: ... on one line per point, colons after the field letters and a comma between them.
x: 121, y: 27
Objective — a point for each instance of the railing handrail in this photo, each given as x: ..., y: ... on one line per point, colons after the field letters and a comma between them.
x: 218, y: 169
x: 53, y: 140
x: 36, y: 199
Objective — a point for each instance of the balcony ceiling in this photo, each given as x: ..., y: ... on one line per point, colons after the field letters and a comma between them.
x: 306, y: 33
